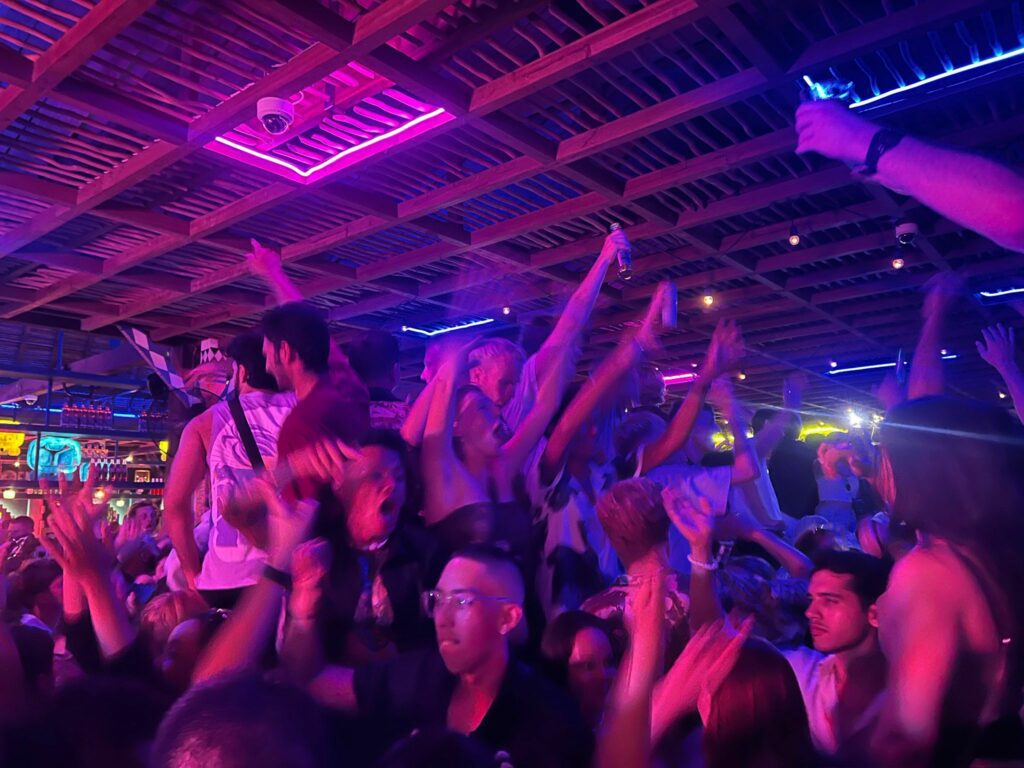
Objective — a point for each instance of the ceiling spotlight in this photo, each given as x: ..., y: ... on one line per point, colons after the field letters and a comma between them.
x: 943, y: 352
x: 833, y: 364
x: 506, y: 310
x: 898, y: 263
x: 708, y: 299
x: 741, y: 376
x: 1002, y: 395
x: 794, y: 236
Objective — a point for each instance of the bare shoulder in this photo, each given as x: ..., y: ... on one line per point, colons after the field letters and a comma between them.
x: 926, y: 569
x: 198, y: 429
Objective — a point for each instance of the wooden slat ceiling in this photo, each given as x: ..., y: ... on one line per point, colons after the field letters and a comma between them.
x: 672, y: 117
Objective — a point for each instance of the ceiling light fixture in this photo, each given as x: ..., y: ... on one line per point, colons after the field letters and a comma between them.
x: 680, y: 378
x: 708, y: 299
x: 898, y: 262
x: 449, y: 329
x: 334, y: 158
x: 794, y: 236
x: 875, y: 366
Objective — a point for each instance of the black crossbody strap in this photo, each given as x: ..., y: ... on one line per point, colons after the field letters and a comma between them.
x: 245, y: 433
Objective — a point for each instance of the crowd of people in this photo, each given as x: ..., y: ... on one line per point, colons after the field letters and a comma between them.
x: 529, y: 565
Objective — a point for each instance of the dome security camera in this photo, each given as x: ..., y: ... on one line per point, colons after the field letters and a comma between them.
x: 906, y: 233
x: 275, y: 114
x: 31, y: 400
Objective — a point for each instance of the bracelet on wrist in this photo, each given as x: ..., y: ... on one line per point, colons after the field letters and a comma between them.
x: 704, y: 566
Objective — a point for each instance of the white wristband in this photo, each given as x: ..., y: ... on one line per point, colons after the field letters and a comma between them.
x: 712, y: 566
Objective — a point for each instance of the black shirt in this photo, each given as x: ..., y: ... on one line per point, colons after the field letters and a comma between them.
x: 532, y: 722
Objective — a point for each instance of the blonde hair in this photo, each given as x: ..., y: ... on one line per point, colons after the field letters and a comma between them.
x: 634, y: 518
x: 497, y: 347
x: 164, y: 612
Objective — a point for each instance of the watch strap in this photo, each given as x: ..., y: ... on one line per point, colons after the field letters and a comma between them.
x: 881, y: 142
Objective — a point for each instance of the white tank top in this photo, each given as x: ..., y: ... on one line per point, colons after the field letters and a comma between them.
x: 231, y: 561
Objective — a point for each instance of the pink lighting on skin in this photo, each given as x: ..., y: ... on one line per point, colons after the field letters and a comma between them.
x: 305, y: 174
x: 680, y: 378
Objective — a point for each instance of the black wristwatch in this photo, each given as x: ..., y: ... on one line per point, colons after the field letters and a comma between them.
x: 881, y: 142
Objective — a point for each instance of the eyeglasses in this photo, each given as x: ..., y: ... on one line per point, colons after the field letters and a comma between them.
x: 435, y: 600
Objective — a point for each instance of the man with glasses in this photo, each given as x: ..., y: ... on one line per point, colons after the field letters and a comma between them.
x: 469, y: 683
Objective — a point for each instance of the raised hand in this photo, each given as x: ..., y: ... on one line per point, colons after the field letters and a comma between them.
x: 645, y: 621
x: 997, y: 347
x: 832, y: 130
x: 692, y: 518
x: 651, y: 326
x: 613, y: 243
x: 725, y: 351
x: 721, y: 394
x: 79, y: 553
x: 324, y: 461
x: 262, y: 260
x: 701, y: 667
x: 288, y: 525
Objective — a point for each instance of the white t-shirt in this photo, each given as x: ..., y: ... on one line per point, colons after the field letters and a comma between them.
x: 758, y: 498
x: 817, y: 676
x: 693, y: 481
x: 231, y: 561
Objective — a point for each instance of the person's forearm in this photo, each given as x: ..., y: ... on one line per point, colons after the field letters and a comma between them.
x: 574, y: 317
x: 745, y: 466
x: 74, y: 598
x: 972, y: 191
x: 1014, y: 380
x: 416, y: 420
x: 793, y: 560
x: 679, y: 429
x: 240, y: 643
x: 926, y: 377
x: 606, y: 378
x: 114, y: 630
x: 705, y: 607
x: 281, y: 286
x: 301, y: 652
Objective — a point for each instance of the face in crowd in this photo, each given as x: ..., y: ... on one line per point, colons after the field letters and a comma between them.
x: 373, y: 495
x: 476, y: 606
x: 838, y: 618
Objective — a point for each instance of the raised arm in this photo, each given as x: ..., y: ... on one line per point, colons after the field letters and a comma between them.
x: 565, y: 336
x: 625, y: 738
x: 724, y: 353
x: 997, y: 349
x: 745, y: 467
x: 86, y: 560
x: 767, y: 439
x: 549, y: 396
x: 301, y: 652
x: 970, y: 190
x: 605, y: 381
x: 696, y: 523
x: 187, y: 472
x: 266, y: 263
x: 926, y: 376
x: 416, y: 419
x: 240, y: 642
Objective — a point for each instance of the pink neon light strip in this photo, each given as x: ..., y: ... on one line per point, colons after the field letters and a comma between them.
x: 331, y: 160
x: 680, y: 378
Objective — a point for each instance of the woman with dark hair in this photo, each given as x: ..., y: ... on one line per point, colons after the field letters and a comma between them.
x: 950, y: 621
x: 579, y: 654
x: 756, y: 718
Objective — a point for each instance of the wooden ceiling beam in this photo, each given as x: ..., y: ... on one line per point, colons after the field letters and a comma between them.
x: 100, y: 25
x: 659, y: 18
x: 99, y: 102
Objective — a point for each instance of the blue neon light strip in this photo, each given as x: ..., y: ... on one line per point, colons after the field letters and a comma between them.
x: 997, y: 294
x: 875, y: 366
x: 15, y: 406
x: 820, y: 93
x: 470, y: 324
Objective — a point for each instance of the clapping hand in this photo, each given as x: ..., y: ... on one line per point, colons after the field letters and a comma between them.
x: 725, y: 351
x: 76, y: 549
x: 324, y: 462
x: 692, y: 518
x: 288, y: 525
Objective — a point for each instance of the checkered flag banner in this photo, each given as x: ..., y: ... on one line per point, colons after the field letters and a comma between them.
x: 159, y: 359
x: 210, y: 351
